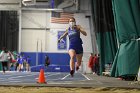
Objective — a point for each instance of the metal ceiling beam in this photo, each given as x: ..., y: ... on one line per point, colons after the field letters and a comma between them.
x: 42, y: 9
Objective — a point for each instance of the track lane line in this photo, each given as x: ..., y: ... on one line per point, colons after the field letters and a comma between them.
x: 86, y: 77
x: 65, y: 77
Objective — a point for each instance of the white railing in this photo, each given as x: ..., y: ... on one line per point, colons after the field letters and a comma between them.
x: 28, y: 2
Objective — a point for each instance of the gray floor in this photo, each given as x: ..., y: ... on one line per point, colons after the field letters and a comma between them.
x: 31, y: 77
x: 58, y: 79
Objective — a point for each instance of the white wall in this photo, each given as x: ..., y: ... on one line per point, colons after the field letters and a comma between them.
x: 9, y: 1
x: 30, y: 38
x: 34, y: 25
x: 9, y: 4
x: 36, y: 19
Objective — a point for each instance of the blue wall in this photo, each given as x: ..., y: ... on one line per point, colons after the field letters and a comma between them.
x: 55, y: 58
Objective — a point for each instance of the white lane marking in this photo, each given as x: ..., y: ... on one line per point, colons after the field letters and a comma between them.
x: 86, y: 77
x: 14, y: 81
x: 65, y: 77
x: 53, y: 74
x: 19, y: 76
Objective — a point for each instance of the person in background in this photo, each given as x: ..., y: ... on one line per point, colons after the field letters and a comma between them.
x: 96, y: 64
x: 11, y: 60
x: 24, y: 59
x: 28, y: 62
x: 16, y: 63
x: 4, y: 58
x: 90, y: 62
x: 20, y: 63
x: 47, y: 60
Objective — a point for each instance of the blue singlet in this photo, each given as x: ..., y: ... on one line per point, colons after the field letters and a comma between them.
x: 75, y: 42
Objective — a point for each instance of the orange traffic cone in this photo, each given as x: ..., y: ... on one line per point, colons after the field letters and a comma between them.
x: 41, y: 78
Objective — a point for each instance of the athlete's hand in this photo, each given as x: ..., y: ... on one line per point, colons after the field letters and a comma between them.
x: 77, y: 27
x: 58, y: 41
x: 80, y: 29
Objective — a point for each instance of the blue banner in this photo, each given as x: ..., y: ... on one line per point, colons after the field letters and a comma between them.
x: 63, y: 43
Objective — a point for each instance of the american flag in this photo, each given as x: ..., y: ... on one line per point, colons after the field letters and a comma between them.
x: 61, y: 18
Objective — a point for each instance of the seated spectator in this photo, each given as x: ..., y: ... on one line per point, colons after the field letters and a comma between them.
x: 47, y: 61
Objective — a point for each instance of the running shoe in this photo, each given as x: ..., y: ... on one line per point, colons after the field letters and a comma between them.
x: 77, y: 68
x: 72, y: 73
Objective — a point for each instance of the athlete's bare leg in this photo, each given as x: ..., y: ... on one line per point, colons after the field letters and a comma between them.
x: 72, y: 64
x: 79, y: 60
x: 72, y: 55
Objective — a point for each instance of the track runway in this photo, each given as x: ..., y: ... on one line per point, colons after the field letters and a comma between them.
x: 31, y: 77
x: 61, y: 79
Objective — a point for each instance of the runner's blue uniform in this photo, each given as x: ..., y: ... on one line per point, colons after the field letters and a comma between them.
x: 75, y: 42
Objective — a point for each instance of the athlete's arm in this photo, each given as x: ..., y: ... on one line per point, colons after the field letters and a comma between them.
x: 64, y: 35
x: 81, y: 30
